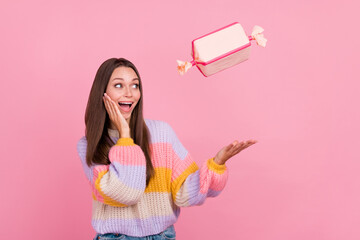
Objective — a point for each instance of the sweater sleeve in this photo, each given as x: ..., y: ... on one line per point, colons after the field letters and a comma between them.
x: 123, y: 181
x: 191, y: 185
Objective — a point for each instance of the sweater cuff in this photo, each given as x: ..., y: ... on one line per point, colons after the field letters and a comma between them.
x: 219, y: 169
x: 125, y: 142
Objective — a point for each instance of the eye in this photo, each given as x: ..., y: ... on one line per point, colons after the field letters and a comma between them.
x: 137, y: 85
x: 117, y: 84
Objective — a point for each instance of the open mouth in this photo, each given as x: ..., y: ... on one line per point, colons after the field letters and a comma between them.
x: 125, y: 106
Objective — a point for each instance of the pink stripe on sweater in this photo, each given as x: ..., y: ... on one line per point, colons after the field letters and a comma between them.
x: 215, y: 182
x: 180, y: 165
x: 219, y: 181
x: 127, y: 155
x: 96, y: 171
x: 157, y: 157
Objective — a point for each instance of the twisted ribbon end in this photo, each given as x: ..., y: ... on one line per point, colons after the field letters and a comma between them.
x: 183, y: 67
x: 258, y: 36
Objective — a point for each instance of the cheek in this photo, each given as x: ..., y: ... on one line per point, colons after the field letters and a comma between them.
x: 113, y: 94
x: 137, y: 95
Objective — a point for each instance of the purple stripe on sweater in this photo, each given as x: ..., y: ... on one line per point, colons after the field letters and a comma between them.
x: 129, y: 175
x: 193, y: 189
x: 162, y: 132
x: 135, y: 227
x: 213, y: 193
x: 81, y: 149
x: 192, y: 186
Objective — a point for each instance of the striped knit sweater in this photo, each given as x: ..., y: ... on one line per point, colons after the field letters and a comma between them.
x: 121, y: 201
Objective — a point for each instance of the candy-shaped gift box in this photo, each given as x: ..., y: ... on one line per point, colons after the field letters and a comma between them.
x: 222, y: 49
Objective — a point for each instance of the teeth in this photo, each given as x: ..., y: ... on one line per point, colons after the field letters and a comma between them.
x: 126, y: 103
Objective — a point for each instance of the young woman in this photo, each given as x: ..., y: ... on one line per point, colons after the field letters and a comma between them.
x: 139, y: 172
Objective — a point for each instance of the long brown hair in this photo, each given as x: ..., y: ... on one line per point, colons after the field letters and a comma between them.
x: 97, y: 120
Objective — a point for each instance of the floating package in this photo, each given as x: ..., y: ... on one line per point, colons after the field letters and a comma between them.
x: 222, y: 49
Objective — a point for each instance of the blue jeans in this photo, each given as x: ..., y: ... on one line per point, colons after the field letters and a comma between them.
x: 167, y: 234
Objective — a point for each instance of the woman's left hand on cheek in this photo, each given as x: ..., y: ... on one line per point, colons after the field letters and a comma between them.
x: 231, y: 150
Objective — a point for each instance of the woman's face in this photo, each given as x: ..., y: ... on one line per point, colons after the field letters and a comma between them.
x: 123, y: 88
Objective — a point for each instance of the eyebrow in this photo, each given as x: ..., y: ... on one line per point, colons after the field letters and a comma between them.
x: 124, y: 80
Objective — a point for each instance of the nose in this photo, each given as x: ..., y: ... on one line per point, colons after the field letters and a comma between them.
x: 128, y: 92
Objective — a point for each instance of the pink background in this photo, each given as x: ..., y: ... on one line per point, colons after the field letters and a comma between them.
x: 299, y: 97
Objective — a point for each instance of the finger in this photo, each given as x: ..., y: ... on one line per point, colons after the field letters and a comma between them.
x: 237, y: 151
x: 239, y: 148
x: 117, y: 115
x: 107, y: 97
x: 232, y: 145
x: 228, y: 147
x: 111, y: 105
x: 233, y: 148
x: 116, y: 110
x: 106, y: 104
x: 239, y: 145
x: 244, y: 146
x: 249, y: 143
x: 114, y: 105
x: 104, y: 101
x: 110, y: 109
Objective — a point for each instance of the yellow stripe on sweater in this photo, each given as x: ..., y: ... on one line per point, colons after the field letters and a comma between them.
x: 107, y: 200
x: 219, y: 169
x: 161, y: 180
x: 176, y: 184
x: 125, y: 142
